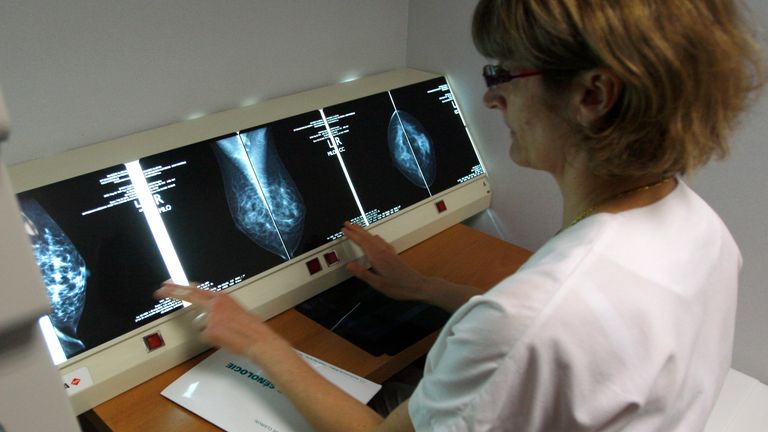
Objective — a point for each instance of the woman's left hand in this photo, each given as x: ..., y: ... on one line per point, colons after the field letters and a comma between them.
x: 227, y: 324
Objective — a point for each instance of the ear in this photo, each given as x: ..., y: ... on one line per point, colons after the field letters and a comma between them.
x: 596, y: 92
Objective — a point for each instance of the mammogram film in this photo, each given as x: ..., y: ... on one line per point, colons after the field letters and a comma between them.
x: 431, y: 120
x: 411, y: 149
x: 239, y: 204
x: 263, y: 198
x: 63, y: 270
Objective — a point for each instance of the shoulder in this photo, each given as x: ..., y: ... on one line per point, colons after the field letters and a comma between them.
x: 589, y: 324
x: 471, y: 357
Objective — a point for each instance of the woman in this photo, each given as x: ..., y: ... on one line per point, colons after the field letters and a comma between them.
x: 622, y: 321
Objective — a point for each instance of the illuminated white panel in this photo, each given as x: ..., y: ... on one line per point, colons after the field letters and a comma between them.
x: 332, y: 140
x: 149, y: 208
x: 123, y: 361
x: 54, y: 347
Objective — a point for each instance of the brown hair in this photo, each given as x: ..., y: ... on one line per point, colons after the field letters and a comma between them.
x: 687, y: 68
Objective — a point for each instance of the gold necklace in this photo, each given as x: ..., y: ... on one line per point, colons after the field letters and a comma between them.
x: 619, y: 195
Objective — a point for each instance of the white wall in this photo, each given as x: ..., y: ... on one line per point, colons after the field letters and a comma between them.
x: 78, y: 72
x: 526, y: 205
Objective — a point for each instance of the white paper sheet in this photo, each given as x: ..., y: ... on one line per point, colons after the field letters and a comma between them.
x: 232, y: 393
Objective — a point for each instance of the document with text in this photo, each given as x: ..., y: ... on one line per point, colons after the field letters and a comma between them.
x: 234, y: 394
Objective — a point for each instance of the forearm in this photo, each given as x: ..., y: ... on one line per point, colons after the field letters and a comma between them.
x: 447, y: 295
x: 394, y: 278
x: 324, y: 405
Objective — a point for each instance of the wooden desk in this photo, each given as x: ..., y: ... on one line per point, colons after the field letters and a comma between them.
x: 460, y: 254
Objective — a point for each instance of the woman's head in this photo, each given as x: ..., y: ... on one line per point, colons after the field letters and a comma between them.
x: 686, y: 68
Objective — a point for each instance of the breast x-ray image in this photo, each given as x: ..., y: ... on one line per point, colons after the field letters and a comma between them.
x: 238, y: 204
x: 411, y: 149
x: 63, y: 270
x: 263, y: 198
x: 431, y: 123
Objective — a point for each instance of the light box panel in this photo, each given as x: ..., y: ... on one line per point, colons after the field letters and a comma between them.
x: 240, y: 200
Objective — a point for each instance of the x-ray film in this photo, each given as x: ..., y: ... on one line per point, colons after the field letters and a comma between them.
x: 229, y: 208
x: 97, y: 257
x: 63, y: 270
x: 262, y: 196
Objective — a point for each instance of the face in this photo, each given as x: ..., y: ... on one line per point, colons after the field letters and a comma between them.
x: 538, y: 135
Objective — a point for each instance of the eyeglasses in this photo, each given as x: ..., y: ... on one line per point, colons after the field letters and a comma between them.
x: 495, y: 75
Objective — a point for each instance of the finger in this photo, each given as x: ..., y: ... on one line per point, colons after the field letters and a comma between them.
x: 186, y: 293
x: 353, y: 232
x: 201, y: 320
x: 364, y: 239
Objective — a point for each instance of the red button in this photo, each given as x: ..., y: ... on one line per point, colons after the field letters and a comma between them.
x: 153, y: 341
x: 440, y: 206
x: 331, y: 258
x: 314, y: 266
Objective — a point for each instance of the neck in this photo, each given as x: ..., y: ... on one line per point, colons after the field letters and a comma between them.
x: 585, y: 194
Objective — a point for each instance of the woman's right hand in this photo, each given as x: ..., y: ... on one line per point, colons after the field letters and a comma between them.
x: 391, y: 275
x: 228, y: 324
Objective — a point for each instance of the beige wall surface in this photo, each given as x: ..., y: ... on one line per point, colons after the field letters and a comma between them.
x: 81, y: 72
